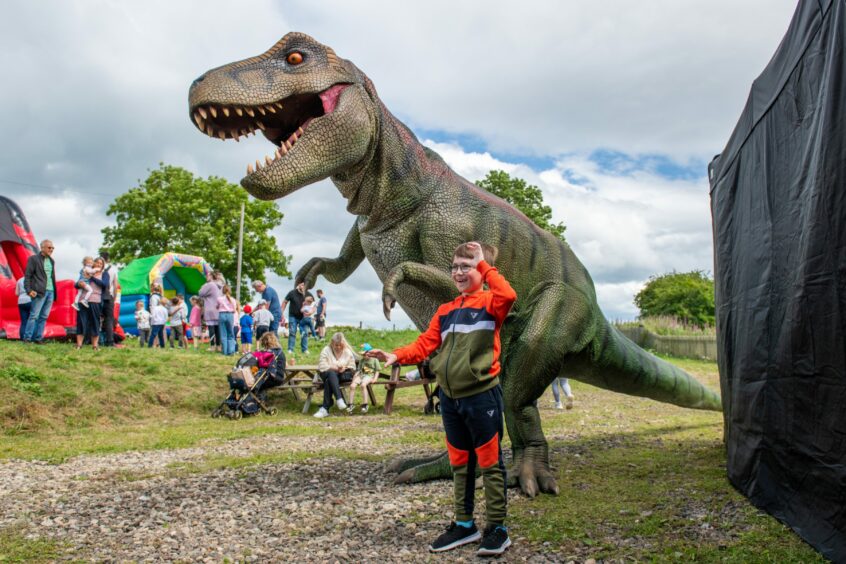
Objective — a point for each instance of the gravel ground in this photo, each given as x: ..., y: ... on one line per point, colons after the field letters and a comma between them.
x: 138, y: 506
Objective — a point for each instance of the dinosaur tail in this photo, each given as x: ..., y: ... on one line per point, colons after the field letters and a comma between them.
x: 620, y: 365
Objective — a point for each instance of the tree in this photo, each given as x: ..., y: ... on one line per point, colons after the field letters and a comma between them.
x: 689, y: 296
x: 174, y: 211
x: 525, y: 197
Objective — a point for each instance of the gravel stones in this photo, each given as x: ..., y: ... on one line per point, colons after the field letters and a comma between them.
x: 144, y: 507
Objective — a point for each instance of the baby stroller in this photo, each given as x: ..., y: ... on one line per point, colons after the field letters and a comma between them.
x: 252, y: 374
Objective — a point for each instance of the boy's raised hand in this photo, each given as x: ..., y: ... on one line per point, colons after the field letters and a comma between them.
x: 476, y: 248
x: 387, y: 358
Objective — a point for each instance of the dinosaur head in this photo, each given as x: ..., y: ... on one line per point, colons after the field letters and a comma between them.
x: 311, y: 105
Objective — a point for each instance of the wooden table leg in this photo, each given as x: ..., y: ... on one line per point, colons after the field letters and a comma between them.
x: 391, y: 388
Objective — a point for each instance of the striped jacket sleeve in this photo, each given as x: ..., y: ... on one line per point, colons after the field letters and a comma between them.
x: 427, y: 343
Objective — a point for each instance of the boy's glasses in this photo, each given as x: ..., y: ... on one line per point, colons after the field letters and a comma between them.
x: 464, y: 268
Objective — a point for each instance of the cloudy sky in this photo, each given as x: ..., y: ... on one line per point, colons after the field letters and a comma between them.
x: 612, y: 108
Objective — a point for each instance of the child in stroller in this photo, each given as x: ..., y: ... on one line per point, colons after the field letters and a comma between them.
x: 254, y: 373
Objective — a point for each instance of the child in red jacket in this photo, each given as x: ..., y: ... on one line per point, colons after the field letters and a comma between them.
x: 465, y: 334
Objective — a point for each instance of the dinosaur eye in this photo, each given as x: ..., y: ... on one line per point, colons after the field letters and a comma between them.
x: 294, y: 58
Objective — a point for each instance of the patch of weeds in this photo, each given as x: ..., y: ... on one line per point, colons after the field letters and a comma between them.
x: 16, y: 547
x: 23, y: 379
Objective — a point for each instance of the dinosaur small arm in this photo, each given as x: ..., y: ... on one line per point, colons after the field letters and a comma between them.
x: 325, y: 120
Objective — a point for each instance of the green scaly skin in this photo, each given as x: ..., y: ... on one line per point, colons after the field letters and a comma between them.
x: 411, y: 211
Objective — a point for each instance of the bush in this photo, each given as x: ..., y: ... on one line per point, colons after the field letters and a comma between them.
x: 687, y: 296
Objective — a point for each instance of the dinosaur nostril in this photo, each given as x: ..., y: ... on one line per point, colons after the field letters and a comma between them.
x: 198, y: 81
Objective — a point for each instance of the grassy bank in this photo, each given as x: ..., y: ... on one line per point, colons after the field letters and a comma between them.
x: 639, y: 479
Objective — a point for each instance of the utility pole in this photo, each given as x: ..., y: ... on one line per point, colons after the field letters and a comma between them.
x: 240, y: 249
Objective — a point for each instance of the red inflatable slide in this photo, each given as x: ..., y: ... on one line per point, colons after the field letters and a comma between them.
x: 17, y: 244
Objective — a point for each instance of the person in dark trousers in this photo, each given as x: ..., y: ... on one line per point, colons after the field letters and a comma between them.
x: 296, y: 297
x: 40, y: 285
x: 108, y: 303
x: 465, y: 332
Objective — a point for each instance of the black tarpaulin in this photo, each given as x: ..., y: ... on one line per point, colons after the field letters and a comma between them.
x: 778, y: 201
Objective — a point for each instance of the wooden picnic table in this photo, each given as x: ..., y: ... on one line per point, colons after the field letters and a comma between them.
x: 306, y: 378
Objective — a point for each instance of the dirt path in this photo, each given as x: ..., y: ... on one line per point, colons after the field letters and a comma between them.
x: 140, y: 506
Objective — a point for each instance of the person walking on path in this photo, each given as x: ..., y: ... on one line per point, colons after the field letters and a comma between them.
x: 24, y: 304
x: 296, y: 298
x: 568, y: 394
x: 270, y: 295
x: 110, y: 300
x: 320, y: 316
x: 40, y: 285
x: 471, y: 396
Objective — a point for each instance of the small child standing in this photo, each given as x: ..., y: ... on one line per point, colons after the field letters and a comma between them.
x: 368, y: 372
x: 263, y: 318
x: 158, y: 318
x: 196, y: 320
x: 246, y: 323
x: 470, y: 393
x: 177, y: 318
x: 83, y: 291
x: 156, y: 294
x: 308, y: 310
x: 142, y: 322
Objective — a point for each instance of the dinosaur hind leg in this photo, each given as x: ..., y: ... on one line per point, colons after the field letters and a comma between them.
x: 556, y: 321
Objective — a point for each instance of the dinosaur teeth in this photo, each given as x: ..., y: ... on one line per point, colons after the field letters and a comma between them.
x: 258, y: 166
x: 209, y: 131
x: 250, y: 169
x: 203, y: 113
x: 282, y: 149
x: 278, y: 154
x: 226, y: 112
x: 199, y: 121
x: 288, y: 145
x: 239, y: 111
x: 245, y: 132
x: 213, y: 111
x: 250, y: 112
x: 222, y: 135
x: 278, y: 105
x: 261, y: 125
x: 261, y: 111
x: 270, y: 109
x: 268, y: 160
x: 299, y: 131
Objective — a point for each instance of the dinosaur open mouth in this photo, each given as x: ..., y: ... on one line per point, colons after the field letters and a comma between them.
x: 282, y: 122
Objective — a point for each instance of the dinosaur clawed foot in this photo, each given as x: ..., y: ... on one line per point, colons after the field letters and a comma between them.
x: 531, y: 472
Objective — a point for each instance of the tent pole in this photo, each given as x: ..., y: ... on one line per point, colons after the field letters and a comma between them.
x: 240, y: 248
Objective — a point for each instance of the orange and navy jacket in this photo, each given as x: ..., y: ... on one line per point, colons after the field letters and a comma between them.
x: 465, y: 332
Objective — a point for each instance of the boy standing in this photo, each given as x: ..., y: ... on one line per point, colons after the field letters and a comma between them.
x: 465, y: 332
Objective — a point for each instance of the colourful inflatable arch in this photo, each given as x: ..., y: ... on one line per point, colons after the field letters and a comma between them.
x: 178, y: 274
x: 17, y: 244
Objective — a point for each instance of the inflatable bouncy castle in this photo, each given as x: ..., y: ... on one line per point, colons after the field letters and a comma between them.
x: 178, y: 274
x: 17, y: 244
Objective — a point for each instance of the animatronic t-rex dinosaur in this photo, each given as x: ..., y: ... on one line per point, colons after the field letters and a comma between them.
x: 325, y: 119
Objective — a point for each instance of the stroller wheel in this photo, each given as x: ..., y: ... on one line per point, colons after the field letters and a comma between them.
x: 428, y: 409
x: 438, y: 407
x: 272, y: 411
x: 236, y: 415
x: 217, y: 413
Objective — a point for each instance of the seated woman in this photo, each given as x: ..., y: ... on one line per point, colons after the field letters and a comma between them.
x: 336, y: 365
x: 276, y: 370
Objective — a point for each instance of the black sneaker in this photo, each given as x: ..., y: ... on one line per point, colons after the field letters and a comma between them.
x: 455, y: 536
x: 494, y: 542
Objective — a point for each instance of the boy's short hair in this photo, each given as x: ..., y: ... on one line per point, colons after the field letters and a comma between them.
x: 489, y: 251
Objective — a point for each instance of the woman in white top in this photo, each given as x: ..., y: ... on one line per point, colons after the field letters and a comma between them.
x: 336, y: 365
x: 24, y: 303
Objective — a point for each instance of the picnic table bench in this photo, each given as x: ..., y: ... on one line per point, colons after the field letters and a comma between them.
x: 306, y: 378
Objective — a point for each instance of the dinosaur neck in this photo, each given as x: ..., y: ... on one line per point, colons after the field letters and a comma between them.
x: 392, y: 181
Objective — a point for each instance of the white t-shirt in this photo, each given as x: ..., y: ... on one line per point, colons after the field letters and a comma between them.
x: 142, y: 318
x: 159, y: 316
x: 262, y: 317
x: 23, y: 297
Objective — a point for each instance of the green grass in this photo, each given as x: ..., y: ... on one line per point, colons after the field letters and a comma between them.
x: 640, y: 480
x: 15, y: 547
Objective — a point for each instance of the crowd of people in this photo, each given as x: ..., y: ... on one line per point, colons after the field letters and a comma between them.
x: 214, y: 315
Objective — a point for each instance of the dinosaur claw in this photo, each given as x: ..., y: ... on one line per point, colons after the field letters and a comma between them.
x: 388, y: 302
x: 405, y: 477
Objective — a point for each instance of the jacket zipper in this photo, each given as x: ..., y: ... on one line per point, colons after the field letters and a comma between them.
x: 452, y: 346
